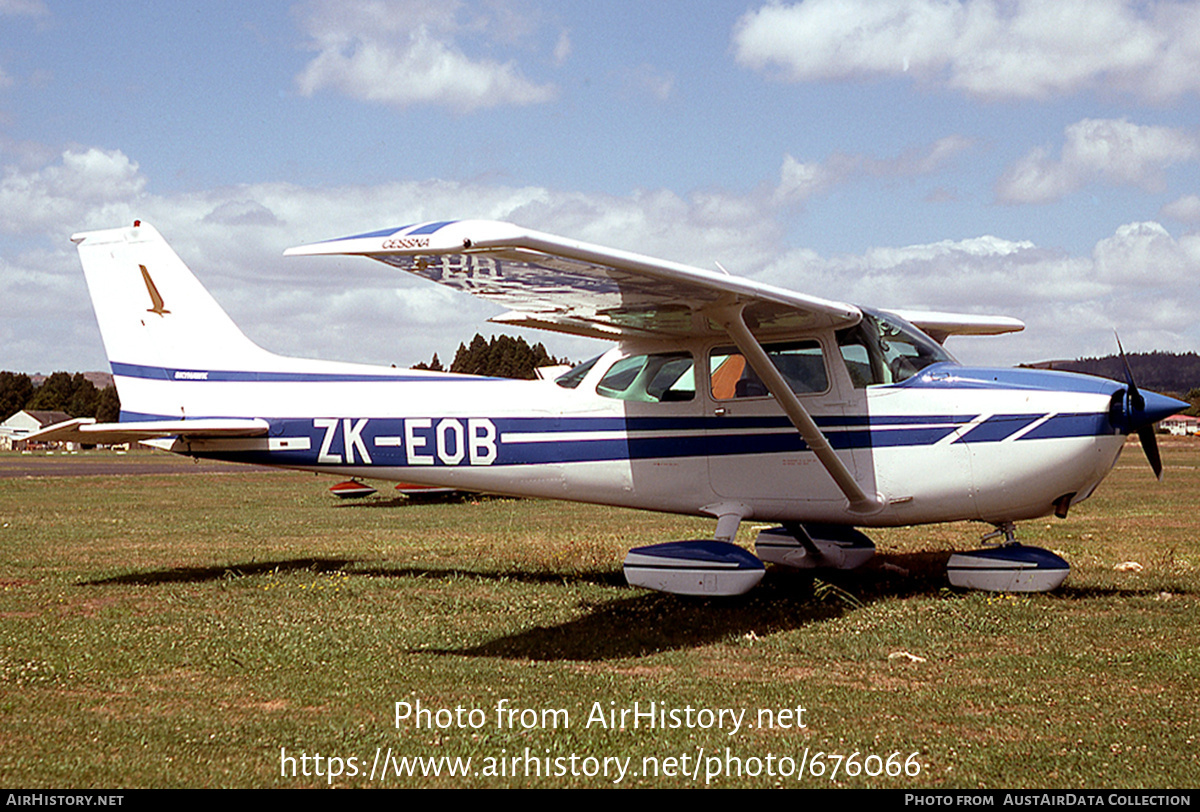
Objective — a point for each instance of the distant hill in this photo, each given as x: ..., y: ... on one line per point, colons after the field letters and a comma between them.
x: 1165, y: 372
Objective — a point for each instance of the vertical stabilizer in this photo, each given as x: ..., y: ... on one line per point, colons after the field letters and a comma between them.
x: 158, y: 323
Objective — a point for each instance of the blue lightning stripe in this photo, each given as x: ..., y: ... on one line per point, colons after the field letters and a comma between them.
x: 1080, y: 424
x: 998, y: 427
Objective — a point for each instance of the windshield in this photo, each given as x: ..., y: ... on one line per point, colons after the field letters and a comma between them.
x: 884, y: 348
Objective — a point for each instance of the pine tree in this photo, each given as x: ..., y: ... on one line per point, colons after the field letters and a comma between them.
x: 108, y: 405
x: 15, y: 391
x: 53, y: 395
x: 434, y: 365
x: 500, y: 357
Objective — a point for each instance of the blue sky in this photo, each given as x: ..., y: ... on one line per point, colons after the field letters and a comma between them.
x: 1039, y: 160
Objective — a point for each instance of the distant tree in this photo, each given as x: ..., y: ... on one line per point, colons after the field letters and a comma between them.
x: 54, y: 394
x: 473, y: 360
x: 1163, y: 372
x: 85, y: 397
x: 61, y: 392
x: 500, y: 357
x: 108, y: 405
x: 15, y: 391
x: 434, y: 365
x: 1193, y: 397
x: 64, y: 392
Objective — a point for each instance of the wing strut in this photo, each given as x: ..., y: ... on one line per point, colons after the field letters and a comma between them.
x: 730, y: 317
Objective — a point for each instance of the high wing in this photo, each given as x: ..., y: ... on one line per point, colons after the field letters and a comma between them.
x: 573, y: 287
x: 87, y: 430
x: 940, y: 326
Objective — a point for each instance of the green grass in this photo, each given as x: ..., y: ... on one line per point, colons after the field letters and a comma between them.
x: 180, y: 629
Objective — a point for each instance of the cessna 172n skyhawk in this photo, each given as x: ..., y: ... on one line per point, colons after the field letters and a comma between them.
x: 723, y: 397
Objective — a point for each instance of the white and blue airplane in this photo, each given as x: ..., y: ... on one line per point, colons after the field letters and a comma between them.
x: 723, y: 397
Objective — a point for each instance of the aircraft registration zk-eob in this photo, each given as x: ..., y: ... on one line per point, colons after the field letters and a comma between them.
x: 723, y: 397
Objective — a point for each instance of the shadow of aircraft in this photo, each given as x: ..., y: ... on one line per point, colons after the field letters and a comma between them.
x: 655, y: 622
x: 650, y: 622
x: 176, y: 575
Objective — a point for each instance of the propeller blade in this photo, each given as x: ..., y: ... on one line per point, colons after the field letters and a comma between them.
x: 1142, y: 419
x: 1150, y: 446
x: 1136, y: 401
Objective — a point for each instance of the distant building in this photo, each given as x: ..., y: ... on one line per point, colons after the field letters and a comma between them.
x: 23, y: 423
x: 1181, y: 425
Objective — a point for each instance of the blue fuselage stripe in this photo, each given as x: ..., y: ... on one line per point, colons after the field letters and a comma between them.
x: 246, y: 376
x: 544, y: 441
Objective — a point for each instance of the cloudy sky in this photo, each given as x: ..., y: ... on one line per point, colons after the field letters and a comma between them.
x: 1033, y: 159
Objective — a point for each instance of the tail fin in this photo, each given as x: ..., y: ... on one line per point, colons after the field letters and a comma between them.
x: 158, y: 323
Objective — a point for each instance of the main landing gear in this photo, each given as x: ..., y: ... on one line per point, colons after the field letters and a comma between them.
x: 716, y: 568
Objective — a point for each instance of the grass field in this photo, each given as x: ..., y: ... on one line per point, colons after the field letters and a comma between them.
x: 200, y: 629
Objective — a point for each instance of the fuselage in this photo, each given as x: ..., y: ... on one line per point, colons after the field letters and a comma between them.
x: 946, y: 443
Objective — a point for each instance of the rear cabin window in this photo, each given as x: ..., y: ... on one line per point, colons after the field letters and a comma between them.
x: 573, y: 376
x: 651, y: 378
x: 800, y: 362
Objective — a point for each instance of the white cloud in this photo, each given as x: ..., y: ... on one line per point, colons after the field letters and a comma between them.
x: 562, y: 48
x: 233, y: 237
x: 19, y: 8
x: 831, y: 39
x: 1139, y: 279
x: 70, y: 190
x: 242, y: 213
x: 1186, y: 209
x: 410, y: 52
x: 23, y: 8
x: 645, y: 79
x: 1145, y: 253
x: 1110, y: 150
x: 799, y: 181
x: 986, y: 48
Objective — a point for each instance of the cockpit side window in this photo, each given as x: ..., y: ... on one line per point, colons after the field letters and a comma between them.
x: 883, y: 349
x: 800, y: 362
x: 651, y: 378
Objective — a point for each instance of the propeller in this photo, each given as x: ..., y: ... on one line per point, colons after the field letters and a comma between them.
x: 1143, y: 411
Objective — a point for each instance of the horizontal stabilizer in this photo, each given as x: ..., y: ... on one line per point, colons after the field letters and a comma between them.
x: 87, y: 430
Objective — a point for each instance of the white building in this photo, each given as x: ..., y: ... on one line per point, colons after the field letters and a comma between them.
x: 23, y: 423
x: 1181, y: 425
